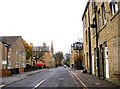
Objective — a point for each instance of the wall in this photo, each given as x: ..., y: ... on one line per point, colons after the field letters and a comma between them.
x: 21, y: 56
x: 109, y: 34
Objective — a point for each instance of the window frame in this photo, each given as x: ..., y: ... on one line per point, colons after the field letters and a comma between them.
x: 94, y: 29
x: 104, y: 18
x: 99, y: 19
x: 86, y: 36
x: 113, y: 7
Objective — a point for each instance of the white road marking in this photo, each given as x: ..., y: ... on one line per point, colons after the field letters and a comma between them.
x: 79, y: 80
x: 61, y: 78
x: 2, y: 86
x: 97, y: 83
x: 42, y: 81
x: 50, y: 70
x: 39, y: 84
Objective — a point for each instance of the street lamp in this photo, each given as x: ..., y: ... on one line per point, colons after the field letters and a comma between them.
x: 94, y: 25
x: 7, y: 46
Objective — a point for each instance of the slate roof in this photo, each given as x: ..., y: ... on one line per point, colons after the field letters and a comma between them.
x: 38, y: 48
x: 8, y: 39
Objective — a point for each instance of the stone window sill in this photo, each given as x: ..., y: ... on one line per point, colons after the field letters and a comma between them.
x: 114, y: 16
x: 102, y: 27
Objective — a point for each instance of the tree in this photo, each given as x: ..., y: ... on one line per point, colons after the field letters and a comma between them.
x: 58, y: 58
x: 67, y: 59
x: 38, y: 55
x: 28, y: 49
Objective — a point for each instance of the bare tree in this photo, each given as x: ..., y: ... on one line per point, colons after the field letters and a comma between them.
x: 39, y: 54
x: 58, y: 58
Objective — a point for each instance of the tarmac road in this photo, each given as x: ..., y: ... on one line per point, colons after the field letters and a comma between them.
x: 50, y: 78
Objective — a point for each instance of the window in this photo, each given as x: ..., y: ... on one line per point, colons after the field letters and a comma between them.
x: 95, y: 51
x: 86, y: 36
x: 104, y: 20
x: 85, y: 21
x: 113, y: 7
x: 87, y: 60
x: 16, y: 64
x: 93, y: 5
x: 16, y: 52
x: 99, y: 20
x: 34, y: 63
x: 94, y: 31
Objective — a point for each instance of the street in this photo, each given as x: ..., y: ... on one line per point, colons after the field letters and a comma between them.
x: 49, y: 78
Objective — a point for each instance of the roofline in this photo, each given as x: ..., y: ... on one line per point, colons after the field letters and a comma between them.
x: 10, y: 36
x: 22, y: 41
x: 16, y: 39
x: 85, y: 9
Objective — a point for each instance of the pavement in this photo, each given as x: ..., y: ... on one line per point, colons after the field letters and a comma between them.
x: 88, y: 81
x: 91, y: 81
x: 16, y: 77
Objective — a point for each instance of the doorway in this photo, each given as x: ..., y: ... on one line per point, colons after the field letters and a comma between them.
x: 107, y: 62
x: 93, y: 71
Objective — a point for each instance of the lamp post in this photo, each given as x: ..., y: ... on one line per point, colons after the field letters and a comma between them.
x: 94, y: 25
x: 89, y: 42
x: 7, y: 46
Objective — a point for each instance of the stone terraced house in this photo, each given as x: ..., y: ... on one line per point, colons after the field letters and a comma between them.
x: 101, y: 33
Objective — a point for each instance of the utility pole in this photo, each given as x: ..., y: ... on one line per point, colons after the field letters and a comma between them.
x: 7, y: 46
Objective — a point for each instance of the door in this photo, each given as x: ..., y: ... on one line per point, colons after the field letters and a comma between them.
x: 92, y: 63
x: 107, y: 62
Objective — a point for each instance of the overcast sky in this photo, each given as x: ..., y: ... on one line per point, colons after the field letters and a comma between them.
x: 39, y: 21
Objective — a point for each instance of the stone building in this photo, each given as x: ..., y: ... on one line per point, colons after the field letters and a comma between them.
x: 101, y: 35
x: 12, y: 55
x: 76, y: 59
x: 45, y: 54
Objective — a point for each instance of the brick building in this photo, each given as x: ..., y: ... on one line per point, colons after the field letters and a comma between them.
x: 101, y: 35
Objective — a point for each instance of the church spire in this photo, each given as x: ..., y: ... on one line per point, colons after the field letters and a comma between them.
x: 52, y: 50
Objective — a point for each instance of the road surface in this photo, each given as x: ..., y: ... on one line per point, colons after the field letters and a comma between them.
x: 49, y: 78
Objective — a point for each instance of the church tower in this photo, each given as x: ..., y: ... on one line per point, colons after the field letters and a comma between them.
x: 52, y: 49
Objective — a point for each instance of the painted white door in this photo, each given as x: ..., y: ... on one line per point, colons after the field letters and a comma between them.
x: 107, y: 62
x: 92, y: 63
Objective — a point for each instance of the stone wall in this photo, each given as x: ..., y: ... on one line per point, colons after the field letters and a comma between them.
x: 21, y: 70
x: 109, y: 33
x: 5, y: 73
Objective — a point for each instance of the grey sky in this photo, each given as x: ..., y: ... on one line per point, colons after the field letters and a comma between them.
x: 39, y: 21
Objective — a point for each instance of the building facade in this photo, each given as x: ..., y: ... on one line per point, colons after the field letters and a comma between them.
x: 13, y: 55
x: 45, y: 58
x: 76, y: 59
x: 101, y: 35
